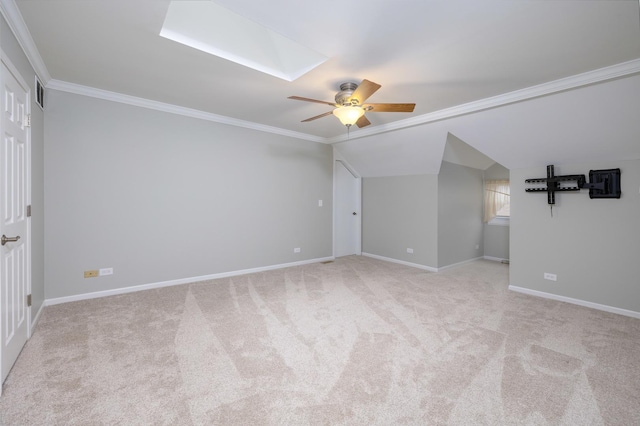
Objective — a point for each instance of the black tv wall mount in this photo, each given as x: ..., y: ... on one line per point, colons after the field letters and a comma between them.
x: 602, y: 184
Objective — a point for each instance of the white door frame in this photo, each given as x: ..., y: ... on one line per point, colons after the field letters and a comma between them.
x: 337, y: 157
x: 16, y: 74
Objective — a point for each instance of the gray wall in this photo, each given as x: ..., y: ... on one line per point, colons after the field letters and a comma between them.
x: 460, y: 200
x: 496, y: 237
x: 162, y: 197
x: 401, y: 212
x: 496, y: 241
x: 17, y: 57
x: 438, y: 216
x: 592, y: 245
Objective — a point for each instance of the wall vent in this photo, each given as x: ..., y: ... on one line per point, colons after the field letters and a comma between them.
x: 39, y: 93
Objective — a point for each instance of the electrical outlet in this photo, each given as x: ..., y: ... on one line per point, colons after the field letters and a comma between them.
x: 319, y: 203
x: 477, y: 246
x: 410, y: 250
x: 91, y: 274
x: 106, y: 271
x: 296, y: 250
x: 550, y: 277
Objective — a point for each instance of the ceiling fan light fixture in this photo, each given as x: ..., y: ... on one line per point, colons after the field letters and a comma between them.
x: 348, y: 115
x: 349, y: 106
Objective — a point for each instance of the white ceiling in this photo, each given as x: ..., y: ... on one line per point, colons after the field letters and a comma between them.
x: 438, y: 54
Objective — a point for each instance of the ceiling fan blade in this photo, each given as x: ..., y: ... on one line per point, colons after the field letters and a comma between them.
x: 363, y: 121
x: 389, y: 107
x: 317, y: 116
x: 298, y: 98
x: 364, y: 90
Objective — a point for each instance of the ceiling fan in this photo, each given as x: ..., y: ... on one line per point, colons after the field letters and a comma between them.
x: 350, y: 107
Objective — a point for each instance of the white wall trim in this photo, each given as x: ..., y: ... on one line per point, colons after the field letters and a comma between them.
x: 453, y: 265
x: 349, y: 168
x: 190, y: 280
x: 494, y: 259
x: 12, y: 15
x: 426, y: 268
x: 499, y: 221
x: 584, y: 303
x: 401, y: 262
x: 35, y: 320
x: 78, y: 89
x: 572, y: 82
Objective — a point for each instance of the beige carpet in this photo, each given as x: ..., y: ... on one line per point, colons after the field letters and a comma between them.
x: 353, y: 342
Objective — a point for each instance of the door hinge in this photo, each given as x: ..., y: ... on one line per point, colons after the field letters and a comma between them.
x: 27, y: 120
x: 29, y: 210
x: 28, y: 300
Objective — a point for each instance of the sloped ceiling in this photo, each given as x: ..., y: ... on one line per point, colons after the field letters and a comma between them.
x: 598, y: 122
x: 442, y: 55
x: 592, y: 123
x: 457, y: 151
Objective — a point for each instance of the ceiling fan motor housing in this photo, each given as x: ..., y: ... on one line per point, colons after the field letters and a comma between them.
x: 345, y: 93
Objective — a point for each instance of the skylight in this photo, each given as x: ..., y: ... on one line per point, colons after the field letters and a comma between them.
x: 211, y: 28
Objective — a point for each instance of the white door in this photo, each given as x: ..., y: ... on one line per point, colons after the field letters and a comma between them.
x: 347, y: 212
x: 14, y: 251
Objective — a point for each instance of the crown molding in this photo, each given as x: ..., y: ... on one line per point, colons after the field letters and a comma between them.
x: 12, y: 15
x: 556, y: 86
x: 580, y: 80
x: 78, y: 89
x: 16, y: 23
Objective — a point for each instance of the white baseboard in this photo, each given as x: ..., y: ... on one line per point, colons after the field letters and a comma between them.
x: 401, y: 262
x: 35, y: 320
x: 584, y: 303
x: 459, y: 263
x: 124, y: 290
x: 495, y: 259
x: 417, y: 265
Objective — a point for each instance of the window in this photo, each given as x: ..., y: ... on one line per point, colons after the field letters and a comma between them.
x: 497, y: 202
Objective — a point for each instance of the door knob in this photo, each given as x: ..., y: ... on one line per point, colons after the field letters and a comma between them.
x: 354, y: 213
x: 6, y: 239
